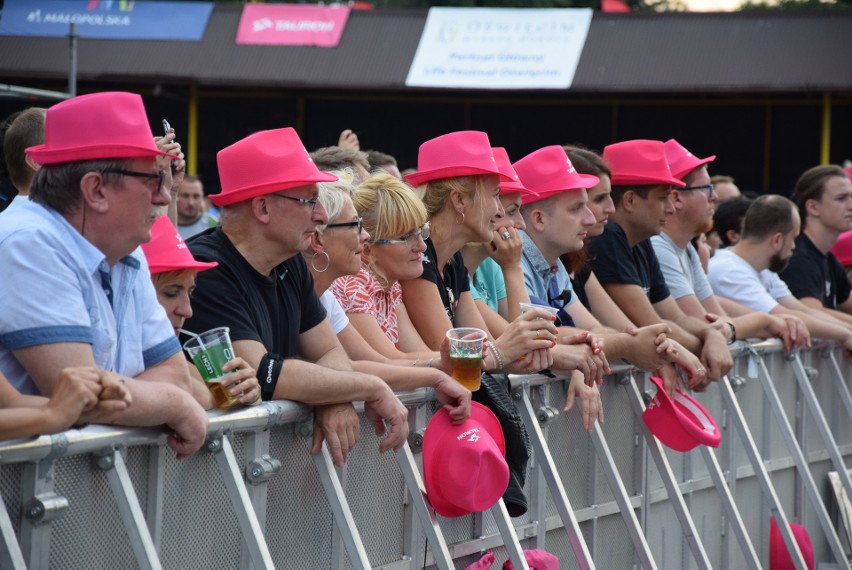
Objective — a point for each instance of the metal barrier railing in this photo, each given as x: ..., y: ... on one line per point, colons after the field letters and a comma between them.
x: 116, y: 497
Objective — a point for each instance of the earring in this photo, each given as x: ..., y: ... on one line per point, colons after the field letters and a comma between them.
x: 314, y: 262
x: 462, y: 219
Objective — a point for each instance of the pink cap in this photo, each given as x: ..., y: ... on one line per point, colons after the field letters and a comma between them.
x: 263, y: 163
x: 504, y: 165
x: 842, y: 249
x: 462, y: 153
x: 779, y: 558
x: 96, y: 126
x: 680, y: 424
x: 464, y: 466
x: 548, y: 171
x: 639, y: 163
x: 681, y: 161
x: 167, y: 252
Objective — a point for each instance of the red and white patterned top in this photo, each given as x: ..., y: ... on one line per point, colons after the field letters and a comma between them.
x: 362, y: 293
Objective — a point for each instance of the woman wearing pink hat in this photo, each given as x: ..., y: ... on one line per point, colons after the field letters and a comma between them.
x: 462, y: 199
x: 173, y: 271
x: 336, y: 252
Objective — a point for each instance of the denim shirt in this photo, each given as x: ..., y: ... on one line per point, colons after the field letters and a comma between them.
x: 52, y: 291
x: 538, y: 273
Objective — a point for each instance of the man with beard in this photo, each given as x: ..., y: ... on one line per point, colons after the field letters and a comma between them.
x: 824, y: 197
x: 748, y: 271
x: 685, y: 278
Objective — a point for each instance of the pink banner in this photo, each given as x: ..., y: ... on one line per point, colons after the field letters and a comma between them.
x: 292, y: 25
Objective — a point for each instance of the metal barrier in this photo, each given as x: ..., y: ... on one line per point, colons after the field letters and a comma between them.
x: 105, y: 497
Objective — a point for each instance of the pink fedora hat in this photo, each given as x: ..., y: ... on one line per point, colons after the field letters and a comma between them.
x: 462, y: 153
x: 504, y: 165
x: 680, y: 424
x: 548, y: 171
x: 167, y: 252
x: 464, y: 466
x: 639, y: 163
x: 265, y: 162
x: 96, y: 126
x: 681, y: 161
x: 779, y: 558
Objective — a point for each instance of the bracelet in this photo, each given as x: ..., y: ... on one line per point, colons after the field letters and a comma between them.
x: 498, y: 358
x: 733, y: 333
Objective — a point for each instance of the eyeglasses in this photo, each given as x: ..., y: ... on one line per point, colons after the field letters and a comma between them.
x: 359, y: 223
x: 708, y: 187
x: 160, y: 177
x: 410, y: 239
x: 312, y: 202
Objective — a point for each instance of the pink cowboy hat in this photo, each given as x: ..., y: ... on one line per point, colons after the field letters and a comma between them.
x: 464, y: 466
x: 504, y: 165
x: 680, y: 424
x: 681, y: 161
x: 639, y: 163
x: 779, y: 558
x: 167, y: 252
x: 548, y: 171
x: 263, y: 163
x: 462, y: 153
x: 96, y: 126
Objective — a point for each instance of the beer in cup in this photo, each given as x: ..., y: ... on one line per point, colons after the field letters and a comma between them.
x: 210, y: 351
x: 466, y: 345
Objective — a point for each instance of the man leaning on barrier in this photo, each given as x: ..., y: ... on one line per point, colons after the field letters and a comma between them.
x: 75, y: 287
x: 263, y: 291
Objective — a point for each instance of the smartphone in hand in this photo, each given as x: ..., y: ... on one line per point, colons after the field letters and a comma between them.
x: 166, y: 127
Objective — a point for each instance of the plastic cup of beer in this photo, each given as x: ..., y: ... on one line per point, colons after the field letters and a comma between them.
x: 466, y: 346
x: 210, y: 351
x: 530, y: 306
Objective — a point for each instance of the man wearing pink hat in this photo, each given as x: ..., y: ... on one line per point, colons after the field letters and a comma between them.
x: 76, y: 287
x: 693, y: 215
x: 624, y: 261
x: 823, y: 195
x: 262, y: 289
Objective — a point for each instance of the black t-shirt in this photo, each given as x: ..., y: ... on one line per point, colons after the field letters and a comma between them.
x: 271, y: 309
x: 452, y: 283
x: 614, y: 261
x: 578, y: 283
x: 812, y: 274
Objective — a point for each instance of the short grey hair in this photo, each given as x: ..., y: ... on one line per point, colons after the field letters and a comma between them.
x: 332, y: 195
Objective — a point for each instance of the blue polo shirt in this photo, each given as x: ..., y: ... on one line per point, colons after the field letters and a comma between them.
x: 53, y: 287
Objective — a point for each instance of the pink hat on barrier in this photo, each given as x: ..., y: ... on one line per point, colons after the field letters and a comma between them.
x: 96, y: 126
x: 639, y: 162
x: 548, y: 171
x: 779, y: 558
x: 842, y: 249
x: 263, y: 163
x: 681, y: 161
x: 462, y: 153
x: 167, y: 252
x: 464, y: 466
x: 504, y: 165
x: 680, y: 424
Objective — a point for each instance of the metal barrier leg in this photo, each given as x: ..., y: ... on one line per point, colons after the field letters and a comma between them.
x: 155, y: 494
x: 733, y: 407
x: 801, y: 466
x: 130, y: 510
x: 655, y: 448
x: 840, y: 384
x: 10, y: 555
x: 557, y: 490
x: 340, y: 508
x: 428, y: 521
x: 36, y: 482
x: 510, y: 537
x: 736, y: 521
x: 232, y: 475
x: 259, y: 469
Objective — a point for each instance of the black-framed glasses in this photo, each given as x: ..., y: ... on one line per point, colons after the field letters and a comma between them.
x: 411, y: 239
x: 708, y: 187
x: 357, y: 223
x: 312, y: 202
x: 160, y: 176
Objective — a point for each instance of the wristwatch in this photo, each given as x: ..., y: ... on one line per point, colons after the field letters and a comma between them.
x: 733, y: 333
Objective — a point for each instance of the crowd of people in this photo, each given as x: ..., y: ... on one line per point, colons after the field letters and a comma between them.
x: 338, y: 277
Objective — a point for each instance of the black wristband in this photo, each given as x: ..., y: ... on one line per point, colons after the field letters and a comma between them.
x: 267, y: 374
x: 733, y: 333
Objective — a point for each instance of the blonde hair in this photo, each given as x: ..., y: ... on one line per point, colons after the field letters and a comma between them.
x: 390, y: 209
x: 437, y: 192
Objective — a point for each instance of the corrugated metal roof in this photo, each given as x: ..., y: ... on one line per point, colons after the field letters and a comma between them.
x: 741, y: 52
